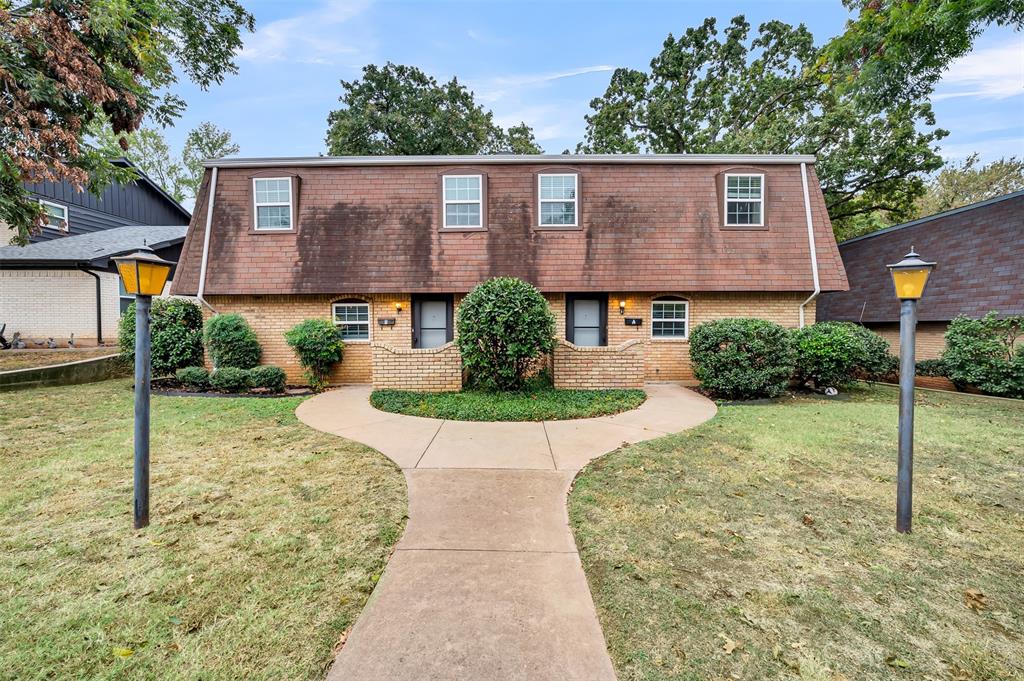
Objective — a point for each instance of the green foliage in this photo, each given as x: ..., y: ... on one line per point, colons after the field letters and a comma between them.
x: 932, y: 367
x: 985, y: 353
x: 763, y: 94
x: 400, y: 110
x: 231, y: 342
x: 205, y: 141
x: 176, y: 332
x: 960, y: 184
x: 318, y: 346
x: 874, y: 358
x: 193, y: 378
x: 504, y: 325
x: 833, y: 354
x: 742, y: 358
x: 267, y: 377
x: 230, y: 380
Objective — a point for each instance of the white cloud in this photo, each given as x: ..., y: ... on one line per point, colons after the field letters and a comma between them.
x: 494, y: 89
x: 988, y: 73
x: 309, y: 38
x: 988, y: 150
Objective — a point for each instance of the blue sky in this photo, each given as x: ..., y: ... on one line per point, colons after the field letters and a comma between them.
x: 540, y: 62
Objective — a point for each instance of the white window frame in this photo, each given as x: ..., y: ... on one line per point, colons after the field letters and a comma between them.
x: 256, y: 205
x: 725, y: 192
x: 369, y: 319
x: 67, y: 223
x: 445, y: 201
x: 685, y: 320
x: 575, y: 200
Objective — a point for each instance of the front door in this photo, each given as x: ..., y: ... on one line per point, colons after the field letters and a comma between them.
x: 586, y: 322
x: 432, y: 321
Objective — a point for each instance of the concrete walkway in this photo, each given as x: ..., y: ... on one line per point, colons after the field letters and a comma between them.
x: 486, y: 583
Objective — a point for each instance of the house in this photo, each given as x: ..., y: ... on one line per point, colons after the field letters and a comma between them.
x: 70, y: 288
x: 631, y: 251
x: 979, y: 249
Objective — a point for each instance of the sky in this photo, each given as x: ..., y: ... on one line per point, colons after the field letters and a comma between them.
x: 538, y: 62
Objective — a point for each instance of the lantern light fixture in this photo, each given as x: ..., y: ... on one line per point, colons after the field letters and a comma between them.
x: 622, y: 307
x: 910, y: 275
x: 143, y: 272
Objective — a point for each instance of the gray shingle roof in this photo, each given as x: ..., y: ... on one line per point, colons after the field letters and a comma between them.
x: 95, y: 247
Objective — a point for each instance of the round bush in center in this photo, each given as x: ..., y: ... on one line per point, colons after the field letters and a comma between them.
x: 504, y: 326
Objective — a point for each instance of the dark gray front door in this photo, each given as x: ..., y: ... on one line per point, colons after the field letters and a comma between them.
x: 432, y: 321
x: 586, y: 322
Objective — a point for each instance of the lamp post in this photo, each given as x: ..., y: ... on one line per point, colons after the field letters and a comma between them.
x: 144, y: 275
x: 909, y: 277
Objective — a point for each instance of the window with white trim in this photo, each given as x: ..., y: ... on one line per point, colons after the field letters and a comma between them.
x: 352, y: 320
x: 670, y: 318
x: 557, y: 200
x: 744, y: 200
x: 463, y: 200
x: 273, y: 202
x: 56, y: 215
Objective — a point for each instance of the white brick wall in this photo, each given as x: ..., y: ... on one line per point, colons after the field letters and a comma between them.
x: 57, y: 303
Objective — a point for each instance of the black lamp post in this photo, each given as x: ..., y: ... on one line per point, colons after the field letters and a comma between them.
x: 144, y: 275
x: 909, y: 277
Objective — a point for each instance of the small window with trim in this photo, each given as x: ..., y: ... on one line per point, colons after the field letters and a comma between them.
x: 56, y: 215
x: 463, y: 201
x: 670, y: 318
x: 744, y: 200
x: 558, y: 199
x: 273, y: 201
x: 352, y: 317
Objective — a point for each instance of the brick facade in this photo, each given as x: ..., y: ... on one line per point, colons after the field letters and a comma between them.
x: 930, y: 341
x: 423, y: 370
x: 613, y: 366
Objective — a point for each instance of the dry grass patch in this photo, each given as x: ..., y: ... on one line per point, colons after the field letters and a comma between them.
x: 267, y: 538
x: 27, y: 359
x: 761, y: 544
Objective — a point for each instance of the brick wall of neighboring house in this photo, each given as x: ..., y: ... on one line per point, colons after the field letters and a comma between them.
x: 57, y: 303
x: 613, y: 366
x: 420, y: 369
x: 931, y: 338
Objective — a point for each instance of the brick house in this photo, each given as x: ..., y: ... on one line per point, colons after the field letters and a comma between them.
x: 979, y: 249
x: 631, y: 251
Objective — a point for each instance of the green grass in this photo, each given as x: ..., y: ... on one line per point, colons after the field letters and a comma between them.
x: 761, y: 545
x: 532, y: 404
x: 267, y: 538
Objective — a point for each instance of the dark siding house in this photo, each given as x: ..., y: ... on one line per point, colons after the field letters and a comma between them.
x: 980, y: 254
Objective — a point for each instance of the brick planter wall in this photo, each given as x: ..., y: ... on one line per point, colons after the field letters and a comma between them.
x: 423, y: 370
x: 616, y: 366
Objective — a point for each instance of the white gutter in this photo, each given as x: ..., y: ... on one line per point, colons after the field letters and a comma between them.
x: 810, y: 243
x: 206, y: 241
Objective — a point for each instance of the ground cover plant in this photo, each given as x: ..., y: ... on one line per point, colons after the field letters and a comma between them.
x: 267, y: 538
x: 761, y: 545
x: 26, y: 359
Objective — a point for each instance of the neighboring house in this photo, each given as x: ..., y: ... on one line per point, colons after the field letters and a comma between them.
x: 980, y: 254
x: 68, y: 286
x: 54, y: 293
x: 631, y: 251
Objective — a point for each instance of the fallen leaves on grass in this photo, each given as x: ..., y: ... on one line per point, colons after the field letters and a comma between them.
x: 729, y: 646
x: 975, y: 600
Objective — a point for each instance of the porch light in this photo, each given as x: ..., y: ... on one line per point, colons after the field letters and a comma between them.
x: 398, y: 308
x: 910, y: 275
x: 622, y: 307
x: 143, y: 272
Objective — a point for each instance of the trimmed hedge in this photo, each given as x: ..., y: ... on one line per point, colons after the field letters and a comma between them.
x: 832, y: 354
x: 742, y: 358
x: 931, y: 367
x: 984, y: 353
x: 194, y: 378
x: 230, y: 380
x: 268, y: 378
x: 231, y: 342
x: 176, y: 331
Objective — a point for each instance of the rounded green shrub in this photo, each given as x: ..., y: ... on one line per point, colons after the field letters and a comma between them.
x: 931, y: 367
x: 318, y: 346
x: 231, y: 342
x: 193, y: 378
x: 875, y: 360
x: 504, y: 325
x: 834, y: 354
x: 268, y: 378
x: 176, y: 331
x: 742, y: 358
x: 230, y: 380
x: 985, y: 353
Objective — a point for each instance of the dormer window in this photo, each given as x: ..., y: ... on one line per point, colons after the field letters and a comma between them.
x: 56, y: 215
x: 463, y: 202
x: 744, y: 200
x: 273, y: 203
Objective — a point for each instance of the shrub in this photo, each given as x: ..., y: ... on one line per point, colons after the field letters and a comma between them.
x: 742, y: 358
x: 504, y: 325
x: 230, y: 380
x: 931, y: 367
x: 193, y: 378
x: 176, y: 332
x: 318, y: 346
x: 875, y: 358
x: 827, y: 353
x: 231, y: 342
x: 267, y: 377
x: 983, y: 353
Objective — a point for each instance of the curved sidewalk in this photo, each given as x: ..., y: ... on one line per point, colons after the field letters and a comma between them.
x: 486, y: 583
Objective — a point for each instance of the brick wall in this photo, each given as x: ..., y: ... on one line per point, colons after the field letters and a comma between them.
x: 930, y: 342
x: 613, y: 366
x: 58, y: 303
x: 420, y: 369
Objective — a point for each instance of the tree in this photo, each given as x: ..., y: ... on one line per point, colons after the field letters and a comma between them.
x: 400, y: 110
x: 764, y: 95
x: 65, y: 62
x: 205, y: 141
x: 960, y: 184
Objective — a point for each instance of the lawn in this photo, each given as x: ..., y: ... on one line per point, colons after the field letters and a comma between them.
x: 26, y: 359
x: 267, y: 538
x: 760, y: 545
x: 542, y: 403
